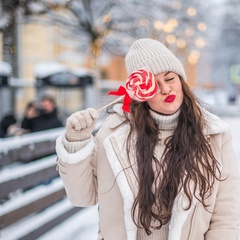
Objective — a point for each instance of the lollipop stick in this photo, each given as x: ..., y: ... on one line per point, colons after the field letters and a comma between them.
x: 109, y: 104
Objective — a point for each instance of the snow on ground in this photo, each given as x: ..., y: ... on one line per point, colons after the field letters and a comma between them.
x: 30, y: 196
x: 82, y: 226
x: 21, y: 228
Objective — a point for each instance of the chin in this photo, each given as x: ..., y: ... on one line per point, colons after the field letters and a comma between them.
x: 171, y: 111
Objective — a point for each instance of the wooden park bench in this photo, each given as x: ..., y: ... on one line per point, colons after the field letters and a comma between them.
x: 33, y: 199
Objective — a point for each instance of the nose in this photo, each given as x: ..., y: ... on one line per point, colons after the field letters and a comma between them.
x: 164, y: 89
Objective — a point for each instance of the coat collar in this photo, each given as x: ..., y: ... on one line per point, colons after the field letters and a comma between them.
x: 214, y: 125
x: 118, y: 118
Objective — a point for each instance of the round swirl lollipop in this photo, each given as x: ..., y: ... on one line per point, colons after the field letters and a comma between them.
x: 141, y: 85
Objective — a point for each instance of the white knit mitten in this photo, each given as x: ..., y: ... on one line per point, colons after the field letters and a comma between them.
x: 80, y: 125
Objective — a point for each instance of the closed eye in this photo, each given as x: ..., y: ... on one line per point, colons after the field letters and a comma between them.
x: 169, y: 79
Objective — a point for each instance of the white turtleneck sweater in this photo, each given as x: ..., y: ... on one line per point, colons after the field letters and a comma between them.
x: 166, y: 125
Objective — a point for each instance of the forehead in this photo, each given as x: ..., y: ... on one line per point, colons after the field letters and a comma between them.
x: 166, y: 74
x: 47, y: 101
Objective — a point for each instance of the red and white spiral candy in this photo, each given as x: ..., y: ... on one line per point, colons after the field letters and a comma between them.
x: 141, y: 85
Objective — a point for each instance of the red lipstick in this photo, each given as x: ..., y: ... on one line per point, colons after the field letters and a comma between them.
x: 170, y: 98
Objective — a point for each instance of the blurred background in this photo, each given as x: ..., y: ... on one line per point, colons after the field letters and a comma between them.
x: 73, y: 51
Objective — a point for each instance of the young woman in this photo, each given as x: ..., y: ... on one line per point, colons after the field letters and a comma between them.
x: 166, y: 170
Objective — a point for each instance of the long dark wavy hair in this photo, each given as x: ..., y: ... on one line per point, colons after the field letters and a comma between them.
x: 187, y: 158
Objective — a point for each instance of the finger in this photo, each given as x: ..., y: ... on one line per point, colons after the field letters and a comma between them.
x: 70, y: 122
x: 74, y: 122
x: 89, y: 119
x: 76, y: 125
x: 93, y: 112
x: 81, y: 121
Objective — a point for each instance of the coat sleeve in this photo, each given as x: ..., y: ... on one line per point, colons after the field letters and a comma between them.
x: 77, y: 169
x: 225, y: 221
x: 26, y: 123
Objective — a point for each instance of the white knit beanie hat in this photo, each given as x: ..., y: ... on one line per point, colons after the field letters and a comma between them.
x: 152, y: 55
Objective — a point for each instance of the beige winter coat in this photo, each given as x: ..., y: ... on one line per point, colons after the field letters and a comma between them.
x: 93, y: 174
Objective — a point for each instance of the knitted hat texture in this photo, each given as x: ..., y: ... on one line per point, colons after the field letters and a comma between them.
x: 152, y: 55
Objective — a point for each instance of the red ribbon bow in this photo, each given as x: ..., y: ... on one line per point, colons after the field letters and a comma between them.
x: 126, y: 101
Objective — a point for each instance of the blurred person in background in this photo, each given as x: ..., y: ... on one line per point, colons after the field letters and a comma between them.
x: 7, y: 125
x: 43, y: 117
x: 165, y: 170
x: 31, y: 111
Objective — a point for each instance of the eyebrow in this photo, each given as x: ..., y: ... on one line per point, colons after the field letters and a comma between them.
x: 166, y: 73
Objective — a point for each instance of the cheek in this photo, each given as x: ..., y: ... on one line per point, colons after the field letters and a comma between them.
x: 156, y: 98
x: 180, y: 96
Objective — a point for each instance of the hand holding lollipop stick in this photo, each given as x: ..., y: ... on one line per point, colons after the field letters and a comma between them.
x: 141, y: 86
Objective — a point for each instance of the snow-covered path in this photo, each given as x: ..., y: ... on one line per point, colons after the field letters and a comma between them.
x: 82, y: 226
